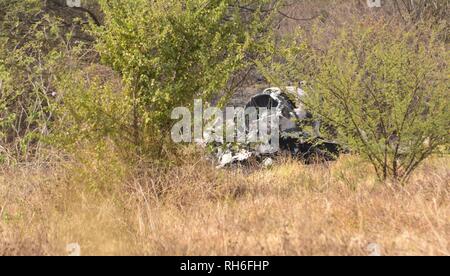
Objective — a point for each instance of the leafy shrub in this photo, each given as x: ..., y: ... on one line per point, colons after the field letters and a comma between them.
x: 35, y: 45
x: 24, y: 55
x: 92, y: 109
x: 384, y: 88
x: 170, y: 52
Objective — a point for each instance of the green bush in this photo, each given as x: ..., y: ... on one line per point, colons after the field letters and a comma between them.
x: 170, y: 52
x: 29, y: 40
x: 37, y: 44
x: 91, y: 109
x: 384, y: 88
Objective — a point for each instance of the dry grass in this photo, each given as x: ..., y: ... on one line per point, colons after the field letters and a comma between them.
x: 110, y: 207
x: 194, y: 209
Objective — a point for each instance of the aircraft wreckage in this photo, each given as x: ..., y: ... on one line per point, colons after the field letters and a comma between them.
x: 299, y: 133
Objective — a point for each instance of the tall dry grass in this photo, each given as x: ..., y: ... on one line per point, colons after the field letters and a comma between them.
x: 109, y: 207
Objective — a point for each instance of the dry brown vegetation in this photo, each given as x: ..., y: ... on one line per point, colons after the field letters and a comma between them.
x: 109, y: 208
x: 91, y: 196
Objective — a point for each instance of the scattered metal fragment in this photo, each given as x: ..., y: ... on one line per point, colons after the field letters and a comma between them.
x: 267, y: 163
x: 294, y: 139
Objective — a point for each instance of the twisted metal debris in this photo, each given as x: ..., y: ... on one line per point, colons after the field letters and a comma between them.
x: 294, y: 139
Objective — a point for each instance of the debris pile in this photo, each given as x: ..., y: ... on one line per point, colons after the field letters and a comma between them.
x: 293, y: 138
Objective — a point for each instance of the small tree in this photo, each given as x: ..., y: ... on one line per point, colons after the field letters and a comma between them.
x: 387, y: 92
x: 170, y: 52
x: 384, y: 89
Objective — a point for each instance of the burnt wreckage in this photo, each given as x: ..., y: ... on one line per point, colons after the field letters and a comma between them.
x: 299, y: 133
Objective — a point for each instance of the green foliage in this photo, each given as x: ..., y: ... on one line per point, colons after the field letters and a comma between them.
x: 291, y: 60
x: 36, y: 45
x: 170, y: 52
x: 384, y: 88
x: 27, y: 49
x: 91, y: 110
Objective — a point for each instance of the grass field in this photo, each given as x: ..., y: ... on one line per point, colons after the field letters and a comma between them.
x: 111, y: 208
x: 86, y: 110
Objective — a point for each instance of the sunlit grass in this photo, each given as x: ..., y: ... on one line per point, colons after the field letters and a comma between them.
x: 290, y: 209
